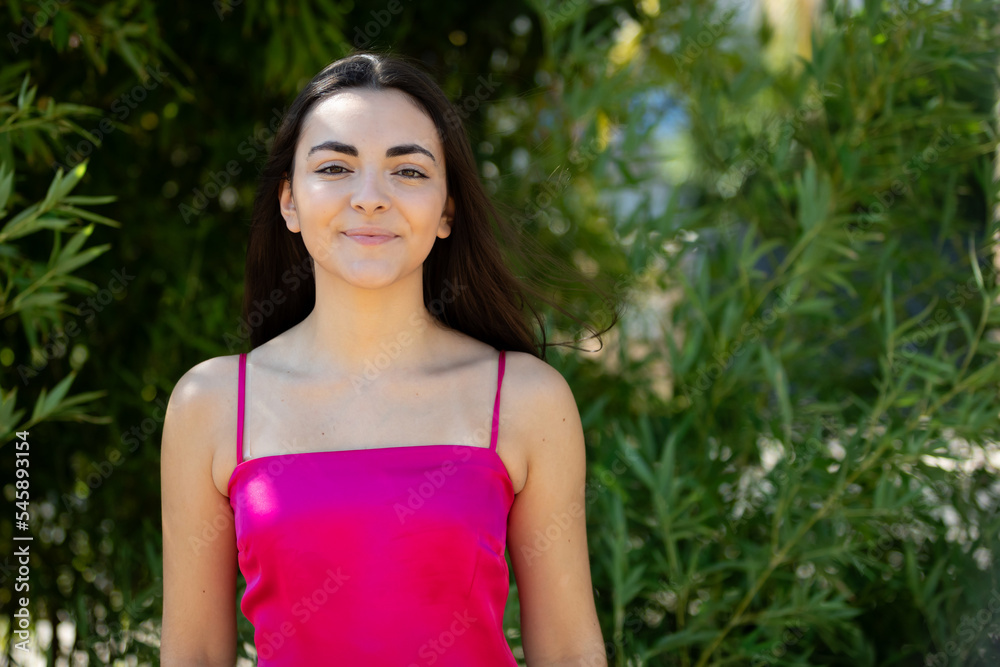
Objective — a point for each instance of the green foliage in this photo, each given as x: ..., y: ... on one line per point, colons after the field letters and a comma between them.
x: 804, y: 492
x: 34, y: 291
x: 790, y: 436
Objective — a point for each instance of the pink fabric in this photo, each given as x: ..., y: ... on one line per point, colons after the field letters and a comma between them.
x: 391, y: 556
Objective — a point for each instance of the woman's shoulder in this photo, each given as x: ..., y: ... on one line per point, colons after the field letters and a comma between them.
x: 203, y: 403
x: 529, y: 384
x: 532, y: 373
x: 542, y: 416
x: 202, y: 382
x: 534, y: 390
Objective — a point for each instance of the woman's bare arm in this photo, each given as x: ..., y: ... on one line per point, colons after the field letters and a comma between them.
x: 546, y: 530
x: 199, y: 540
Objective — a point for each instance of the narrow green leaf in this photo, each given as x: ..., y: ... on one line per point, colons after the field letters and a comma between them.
x: 71, y: 179
x: 88, y: 215
x: 60, y: 31
x: 23, y: 93
x: 10, y: 417
x: 85, y: 199
x: 974, y: 260
x: 47, y: 403
x: 889, y: 313
x: 6, y: 185
x: 75, y: 262
x: 75, y: 243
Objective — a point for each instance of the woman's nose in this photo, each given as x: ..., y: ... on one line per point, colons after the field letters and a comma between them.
x: 369, y: 197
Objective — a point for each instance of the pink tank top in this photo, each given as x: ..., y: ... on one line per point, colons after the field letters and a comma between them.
x: 387, y: 556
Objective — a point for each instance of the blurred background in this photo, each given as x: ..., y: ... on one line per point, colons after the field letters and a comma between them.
x: 791, y: 435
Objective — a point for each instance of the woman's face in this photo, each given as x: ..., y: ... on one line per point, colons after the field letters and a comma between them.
x: 368, y: 161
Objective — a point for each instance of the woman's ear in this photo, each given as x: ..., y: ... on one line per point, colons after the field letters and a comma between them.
x: 447, y: 218
x: 287, y: 205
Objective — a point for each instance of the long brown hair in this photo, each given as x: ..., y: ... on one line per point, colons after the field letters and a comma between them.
x: 280, y: 288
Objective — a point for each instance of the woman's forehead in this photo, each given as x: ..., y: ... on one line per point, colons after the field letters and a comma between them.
x: 371, y: 119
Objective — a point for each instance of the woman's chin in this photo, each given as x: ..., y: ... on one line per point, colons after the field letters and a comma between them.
x: 370, y: 279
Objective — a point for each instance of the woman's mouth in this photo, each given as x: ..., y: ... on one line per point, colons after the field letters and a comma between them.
x: 369, y: 239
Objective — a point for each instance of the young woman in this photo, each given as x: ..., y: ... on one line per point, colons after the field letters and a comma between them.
x: 395, y: 428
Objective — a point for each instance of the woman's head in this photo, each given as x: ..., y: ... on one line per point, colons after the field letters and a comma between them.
x: 368, y: 160
x: 467, y: 284
x: 378, y: 72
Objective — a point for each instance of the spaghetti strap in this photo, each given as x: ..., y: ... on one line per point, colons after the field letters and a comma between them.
x: 239, y: 412
x: 496, y: 404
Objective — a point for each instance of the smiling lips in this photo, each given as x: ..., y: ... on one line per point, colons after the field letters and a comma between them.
x: 369, y: 236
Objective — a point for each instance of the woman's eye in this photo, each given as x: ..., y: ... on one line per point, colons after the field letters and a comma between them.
x: 326, y: 170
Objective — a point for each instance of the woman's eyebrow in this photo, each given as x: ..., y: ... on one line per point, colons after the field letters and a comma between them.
x: 339, y: 147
